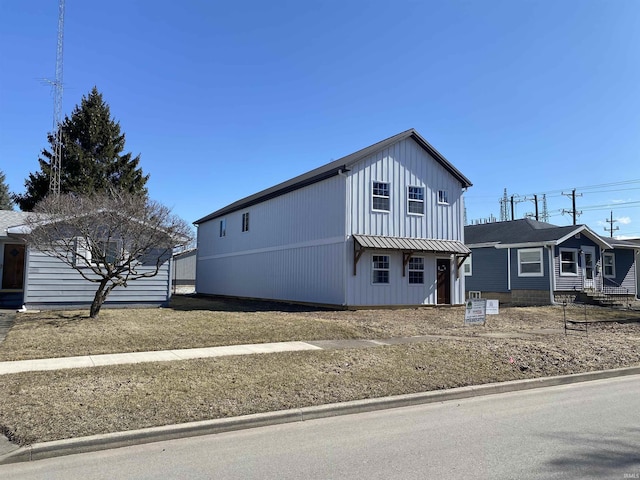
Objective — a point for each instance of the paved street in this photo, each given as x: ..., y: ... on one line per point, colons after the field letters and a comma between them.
x: 587, y: 430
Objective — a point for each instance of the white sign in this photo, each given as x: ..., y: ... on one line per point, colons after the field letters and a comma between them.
x: 493, y: 307
x: 475, y: 312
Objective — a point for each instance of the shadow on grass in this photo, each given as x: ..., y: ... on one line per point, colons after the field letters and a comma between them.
x: 226, y: 304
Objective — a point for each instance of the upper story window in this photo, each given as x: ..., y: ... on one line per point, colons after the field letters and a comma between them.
x: 416, y: 270
x: 381, y: 269
x: 381, y: 197
x: 245, y: 222
x: 568, y: 261
x: 530, y: 262
x: 223, y: 227
x: 609, y: 260
x: 416, y: 200
x: 443, y: 197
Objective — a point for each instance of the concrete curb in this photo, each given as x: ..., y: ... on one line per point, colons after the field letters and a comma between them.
x: 94, y: 443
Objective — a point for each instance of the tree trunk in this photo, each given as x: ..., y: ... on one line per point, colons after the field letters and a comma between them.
x: 100, y: 297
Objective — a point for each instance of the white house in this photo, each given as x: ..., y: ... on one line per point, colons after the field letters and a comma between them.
x: 382, y: 226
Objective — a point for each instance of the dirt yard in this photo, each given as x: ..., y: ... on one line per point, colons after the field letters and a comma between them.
x: 516, y: 344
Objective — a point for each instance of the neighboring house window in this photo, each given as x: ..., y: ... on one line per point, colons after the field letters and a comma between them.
x: 245, y: 222
x: 416, y: 200
x: 107, y: 251
x: 467, y: 267
x: 416, y: 270
x: 381, y: 196
x: 568, y: 261
x: 530, y: 262
x: 443, y: 197
x: 609, y: 260
x: 381, y: 269
x: 223, y: 227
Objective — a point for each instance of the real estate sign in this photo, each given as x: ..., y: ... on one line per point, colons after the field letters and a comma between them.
x: 475, y: 312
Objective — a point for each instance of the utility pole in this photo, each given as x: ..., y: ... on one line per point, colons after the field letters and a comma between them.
x: 611, y: 228
x: 56, y: 159
x: 573, y: 210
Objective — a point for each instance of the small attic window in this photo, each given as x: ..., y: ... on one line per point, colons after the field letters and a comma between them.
x: 577, y: 236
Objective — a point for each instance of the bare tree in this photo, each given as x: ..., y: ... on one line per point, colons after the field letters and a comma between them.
x: 110, y: 238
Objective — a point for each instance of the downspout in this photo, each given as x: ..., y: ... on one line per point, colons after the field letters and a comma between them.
x: 552, y: 275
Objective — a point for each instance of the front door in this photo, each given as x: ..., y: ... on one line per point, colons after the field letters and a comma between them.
x: 13, y: 266
x: 588, y: 267
x: 444, y: 281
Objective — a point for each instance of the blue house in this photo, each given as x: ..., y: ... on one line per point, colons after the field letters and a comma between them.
x: 531, y: 263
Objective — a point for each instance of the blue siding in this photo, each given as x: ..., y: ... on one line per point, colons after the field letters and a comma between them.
x: 529, y: 283
x: 625, y: 270
x: 489, y: 269
x: 574, y: 282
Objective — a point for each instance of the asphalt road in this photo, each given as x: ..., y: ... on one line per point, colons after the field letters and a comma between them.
x: 585, y: 430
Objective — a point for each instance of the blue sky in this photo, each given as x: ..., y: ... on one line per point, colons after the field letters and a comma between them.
x: 223, y: 99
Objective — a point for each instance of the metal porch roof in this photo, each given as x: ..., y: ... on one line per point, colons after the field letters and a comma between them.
x: 379, y: 242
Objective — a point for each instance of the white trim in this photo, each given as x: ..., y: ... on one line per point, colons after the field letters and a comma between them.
x: 604, y: 265
x: 540, y: 262
x: 509, y: 269
x: 374, y: 269
x: 468, y: 262
x: 575, y: 262
x: 409, y: 200
x: 483, y: 245
x: 373, y: 195
x: 526, y: 244
x: 422, y: 270
x: 445, y: 195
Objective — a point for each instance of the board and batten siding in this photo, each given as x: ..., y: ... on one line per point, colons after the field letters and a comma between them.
x: 51, y: 283
x: 293, y: 250
x: 401, y: 165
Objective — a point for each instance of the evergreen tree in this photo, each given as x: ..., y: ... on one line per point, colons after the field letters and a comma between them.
x: 5, y: 198
x: 92, y: 157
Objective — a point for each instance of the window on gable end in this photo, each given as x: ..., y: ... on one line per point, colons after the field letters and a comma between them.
x: 443, y: 197
x: 416, y: 200
x: 381, y: 196
x: 568, y: 261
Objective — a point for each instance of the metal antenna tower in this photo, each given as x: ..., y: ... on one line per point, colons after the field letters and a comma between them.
x: 56, y: 160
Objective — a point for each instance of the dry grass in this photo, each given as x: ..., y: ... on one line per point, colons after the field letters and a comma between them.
x: 43, y: 406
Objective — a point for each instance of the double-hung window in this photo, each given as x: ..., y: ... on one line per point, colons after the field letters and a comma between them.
x: 381, y: 196
x: 609, y: 260
x: 381, y: 269
x: 443, y: 197
x: 416, y: 200
x: 568, y: 261
x: 530, y: 262
x: 416, y: 270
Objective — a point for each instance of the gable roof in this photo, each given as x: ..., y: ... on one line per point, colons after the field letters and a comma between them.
x: 526, y: 231
x: 11, y: 218
x: 334, y: 168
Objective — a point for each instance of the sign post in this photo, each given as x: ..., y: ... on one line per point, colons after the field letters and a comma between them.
x: 475, y: 312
